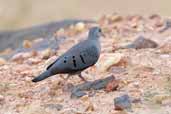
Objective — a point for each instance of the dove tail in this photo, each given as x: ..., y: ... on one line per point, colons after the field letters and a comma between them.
x: 42, y: 76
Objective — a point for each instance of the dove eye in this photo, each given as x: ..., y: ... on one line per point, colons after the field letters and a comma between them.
x: 100, y: 30
x: 64, y: 61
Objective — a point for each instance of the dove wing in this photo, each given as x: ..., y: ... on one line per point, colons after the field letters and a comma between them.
x: 79, y: 57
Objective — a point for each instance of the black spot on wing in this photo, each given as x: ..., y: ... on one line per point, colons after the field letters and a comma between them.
x: 65, y: 59
x: 74, y: 62
x: 82, y: 59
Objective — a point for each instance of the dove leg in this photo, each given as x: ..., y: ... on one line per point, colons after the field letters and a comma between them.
x: 82, y: 78
x: 68, y: 76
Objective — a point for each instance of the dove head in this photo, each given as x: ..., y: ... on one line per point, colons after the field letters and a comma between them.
x: 95, y: 33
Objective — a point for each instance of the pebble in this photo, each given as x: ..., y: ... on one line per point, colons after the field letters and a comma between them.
x: 77, y: 94
x: 141, y: 43
x: 123, y: 102
x: 2, y: 61
x: 80, y: 26
x: 46, y: 53
x: 120, y: 112
x: 85, y: 98
x: 27, y: 44
x: 60, y: 32
x: 32, y: 61
x: 6, y: 51
x: 160, y: 98
x: 90, y: 107
x: 108, y: 60
x: 78, y: 90
x: 19, y: 57
x: 2, y: 98
x: 115, y: 18
x: 112, y: 86
x: 166, y: 102
x: 56, y: 107
x: 166, y: 47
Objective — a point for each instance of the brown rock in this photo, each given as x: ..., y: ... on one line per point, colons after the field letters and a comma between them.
x: 115, y: 18
x: 34, y: 108
x: 6, y: 51
x: 85, y: 98
x: 46, y: 53
x: 112, y: 86
x: 27, y: 44
x: 2, y: 98
x: 60, y: 32
x: 122, y: 103
x: 141, y: 43
x: 166, y: 47
x: 154, y: 16
x: 90, y: 107
x: 32, y: 61
x: 79, y: 27
x: 19, y: 57
x: 161, y: 98
x: 119, y: 112
x: 108, y: 60
x: 2, y: 61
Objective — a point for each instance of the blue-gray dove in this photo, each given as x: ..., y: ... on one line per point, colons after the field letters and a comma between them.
x: 76, y: 59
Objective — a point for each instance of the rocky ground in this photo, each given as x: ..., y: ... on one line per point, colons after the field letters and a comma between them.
x: 134, y: 68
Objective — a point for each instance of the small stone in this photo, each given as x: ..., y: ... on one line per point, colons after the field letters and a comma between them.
x: 34, y: 53
x: 32, y: 61
x: 154, y: 16
x: 27, y: 44
x: 78, y: 90
x: 2, y: 61
x: 68, y: 87
x: 46, y: 53
x: 60, y: 32
x: 38, y: 40
x: 122, y: 103
x: 108, y: 60
x: 80, y: 26
x: 166, y: 102
x: 103, y: 20
x: 90, y: 107
x: 120, y: 112
x: 166, y: 47
x: 6, y: 51
x: 85, y: 98
x: 115, y: 18
x: 34, y: 108
x: 112, y: 86
x: 19, y: 57
x: 77, y: 94
x: 117, y: 70
x: 59, y: 100
x: 136, y: 84
x: 141, y: 43
x: 2, y: 98
x: 160, y: 98
x: 56, y: 107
